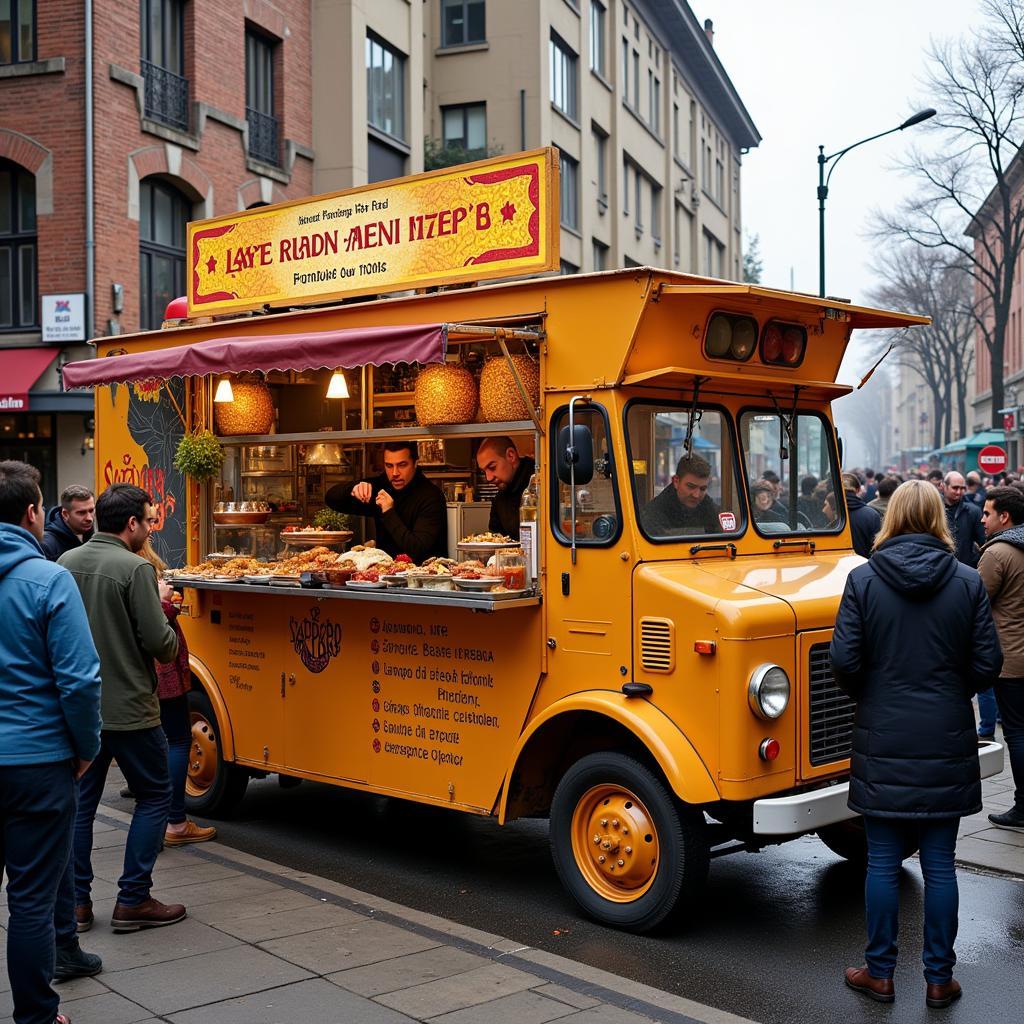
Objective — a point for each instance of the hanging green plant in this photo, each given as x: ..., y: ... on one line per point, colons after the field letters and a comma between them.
x: 199, y: 455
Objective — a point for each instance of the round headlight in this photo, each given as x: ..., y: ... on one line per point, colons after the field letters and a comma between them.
x: 719, y: 336
x: 768, y: 692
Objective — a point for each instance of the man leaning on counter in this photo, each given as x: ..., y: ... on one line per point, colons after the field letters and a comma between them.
x: 500, y: 462
x: 409, y: 511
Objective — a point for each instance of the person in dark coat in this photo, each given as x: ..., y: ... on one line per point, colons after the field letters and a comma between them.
x: 502, y: 465
x: 409, y: 511
x: 963, y: 519
x: 914, y: 640
x: 684, y: 506
x: 70, y: 523
x: 864, y: 521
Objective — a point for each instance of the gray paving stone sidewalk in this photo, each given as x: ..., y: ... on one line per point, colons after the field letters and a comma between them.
x: 266, y: 945
x: 980, y: 843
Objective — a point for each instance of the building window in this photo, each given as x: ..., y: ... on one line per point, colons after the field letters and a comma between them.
x: 569, y: 199
x: 565, y: 268
x: 714, y: 255
x: 601, y: 161
x: 384, y: 162
x: 625, y: 71
x: 625, y: 186
x: 17, y: 31
x: 597, y: 37
x: 163, y: 214
x: 163, y: 62
x: 465, y: 127
x: 385, y: 87
x: 720, y: 171
x: 462, y: 21
x: 656, y: 213
x: 638, y: 182
x: 564, y: 95
x: 600, y: 255
x: 259, y: 98
x: 18, y: 305
x: 636, y: 80
x: 655, y: 111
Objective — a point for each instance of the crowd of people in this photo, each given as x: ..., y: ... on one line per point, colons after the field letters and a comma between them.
x: 93, y: 667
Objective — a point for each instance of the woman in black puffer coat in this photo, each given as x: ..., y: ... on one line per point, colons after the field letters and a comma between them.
x: 914, y: 641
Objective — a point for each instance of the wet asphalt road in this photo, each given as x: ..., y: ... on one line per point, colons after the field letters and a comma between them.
x: 769, y: 940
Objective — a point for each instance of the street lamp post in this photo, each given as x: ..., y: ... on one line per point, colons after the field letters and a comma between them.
x: 921, y: 115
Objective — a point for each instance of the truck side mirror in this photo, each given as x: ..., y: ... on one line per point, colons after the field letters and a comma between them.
x: 576, y: 453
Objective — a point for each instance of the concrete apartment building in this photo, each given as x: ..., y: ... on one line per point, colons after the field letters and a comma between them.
x: 198, y: 107
x: 650, y: 129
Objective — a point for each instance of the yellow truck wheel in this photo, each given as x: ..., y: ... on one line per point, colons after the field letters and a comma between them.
x: 214, y: 787
x: 622, y: 845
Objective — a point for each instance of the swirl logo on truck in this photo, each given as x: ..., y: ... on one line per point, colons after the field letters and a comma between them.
x: 315, y: 642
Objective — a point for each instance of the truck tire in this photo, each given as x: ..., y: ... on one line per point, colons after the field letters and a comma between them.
x: 214, y: 788
x: 849, y: 840
x: 623, y: 847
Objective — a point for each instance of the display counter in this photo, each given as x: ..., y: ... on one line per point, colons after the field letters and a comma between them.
x: 481, y: 602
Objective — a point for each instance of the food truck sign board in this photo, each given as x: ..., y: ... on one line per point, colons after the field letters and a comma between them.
x: 493, y: 218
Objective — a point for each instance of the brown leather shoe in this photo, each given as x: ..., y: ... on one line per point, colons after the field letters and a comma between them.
x: 192, y: 833
x: 150, y: 913
x: 83, y: 917
x: 879, y: 989
x: 942, y: 995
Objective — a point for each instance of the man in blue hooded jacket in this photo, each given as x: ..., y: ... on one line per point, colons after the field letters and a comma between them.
x: 49, y: 734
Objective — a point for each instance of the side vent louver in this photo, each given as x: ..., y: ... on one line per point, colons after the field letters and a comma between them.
x: 657, y: 645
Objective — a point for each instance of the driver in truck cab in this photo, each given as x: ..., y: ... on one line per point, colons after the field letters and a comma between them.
x: 684, y: 506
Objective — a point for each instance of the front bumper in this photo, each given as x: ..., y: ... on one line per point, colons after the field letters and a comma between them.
x: 806, y: 812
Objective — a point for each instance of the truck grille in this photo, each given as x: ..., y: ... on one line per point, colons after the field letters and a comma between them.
x: 830, y: 717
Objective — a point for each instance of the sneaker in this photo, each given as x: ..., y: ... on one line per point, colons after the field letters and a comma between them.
x: 1012, y: 818
x: 74, y: 962
x: 83, y: 917
x: 193, y: 833
x: 150, y: 913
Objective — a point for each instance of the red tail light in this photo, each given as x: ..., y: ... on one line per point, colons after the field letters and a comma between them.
x: 783, y: 344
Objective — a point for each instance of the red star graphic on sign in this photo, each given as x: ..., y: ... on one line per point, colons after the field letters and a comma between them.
x: 508, y: 211
x: 211, y: 264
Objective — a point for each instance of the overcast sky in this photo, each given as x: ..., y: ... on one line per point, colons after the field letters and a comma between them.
x: 826, y: 72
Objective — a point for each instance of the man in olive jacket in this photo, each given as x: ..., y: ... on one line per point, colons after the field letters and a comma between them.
x: 1002, y: 571
x: 122, y: 600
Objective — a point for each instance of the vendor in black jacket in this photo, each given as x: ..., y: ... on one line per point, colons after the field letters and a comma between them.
x: 409, y: 511
x: 502, y: 465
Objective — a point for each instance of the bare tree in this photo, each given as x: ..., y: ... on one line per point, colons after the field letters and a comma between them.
x: 967, y: 206
x: 942, y: 354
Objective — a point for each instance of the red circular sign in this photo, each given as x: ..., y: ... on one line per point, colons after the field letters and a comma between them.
x: 992, y: 459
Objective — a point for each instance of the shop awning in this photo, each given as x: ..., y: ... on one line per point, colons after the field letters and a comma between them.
x: 20, y: 368
x: 320, y: 350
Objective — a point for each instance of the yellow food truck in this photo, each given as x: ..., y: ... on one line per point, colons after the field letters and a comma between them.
x: 661, y: 689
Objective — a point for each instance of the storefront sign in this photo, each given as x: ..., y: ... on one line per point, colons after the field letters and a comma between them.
x: 493, y: 218
x: 63, y: 317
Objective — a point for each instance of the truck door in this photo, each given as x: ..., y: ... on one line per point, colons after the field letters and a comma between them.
x: 589, y: 593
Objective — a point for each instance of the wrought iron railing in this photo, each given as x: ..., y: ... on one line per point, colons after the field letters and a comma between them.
x: 166, y: 96
x: 263, y: 137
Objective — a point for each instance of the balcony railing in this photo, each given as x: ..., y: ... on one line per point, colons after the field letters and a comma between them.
x: 263, y: 137
x: 166, y: 96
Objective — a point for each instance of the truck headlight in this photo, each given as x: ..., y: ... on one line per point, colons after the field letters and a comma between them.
x: 768, y: 692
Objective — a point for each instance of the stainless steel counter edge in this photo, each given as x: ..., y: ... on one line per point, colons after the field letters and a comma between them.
x: 395, y: 595
x: 805, y: 812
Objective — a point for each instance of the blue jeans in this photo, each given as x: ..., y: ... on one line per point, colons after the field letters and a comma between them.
x: 886, y: 842
x: 177, y: 726
x: 988, y: 712
x: 142, y: 757
x: 1010, y: 695
x: 37, y: 809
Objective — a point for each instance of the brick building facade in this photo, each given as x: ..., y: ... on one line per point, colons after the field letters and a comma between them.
x: 200, y: 107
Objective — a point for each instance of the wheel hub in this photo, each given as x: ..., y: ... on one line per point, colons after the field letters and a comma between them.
x: 202, y: 757
x: 615, y: 843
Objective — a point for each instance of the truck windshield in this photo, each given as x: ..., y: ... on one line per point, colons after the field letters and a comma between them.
x: 791, y: 472
x: 683, y: 490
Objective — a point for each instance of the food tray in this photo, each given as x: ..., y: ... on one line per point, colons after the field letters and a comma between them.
x: 469, y: 545
x: 221, y: 556
x: 256, y: 578
x: 311, y: 539
x: 397, y: 579
x: 486, y: 583
x: 365, y: 585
